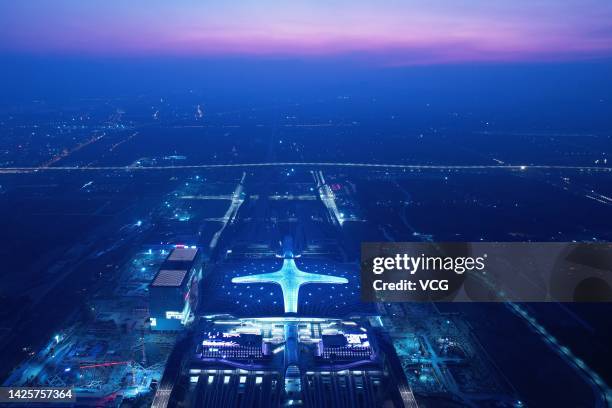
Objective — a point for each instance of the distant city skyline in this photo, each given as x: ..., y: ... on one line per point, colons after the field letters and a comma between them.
x: 383, y: 33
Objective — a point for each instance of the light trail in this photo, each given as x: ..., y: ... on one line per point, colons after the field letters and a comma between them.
x: 602, y: 392
x: 28, y: 170
x: 328, y: 198
x: 108, y: 364
x: 230, y: 215
x: 76, y: 148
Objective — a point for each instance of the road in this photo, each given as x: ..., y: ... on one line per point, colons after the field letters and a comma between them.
x: 17, y: 170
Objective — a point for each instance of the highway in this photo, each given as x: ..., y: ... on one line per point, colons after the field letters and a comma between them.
x: 18, y: 170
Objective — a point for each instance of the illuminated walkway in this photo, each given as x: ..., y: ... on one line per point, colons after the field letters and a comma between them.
x: 290, y: 278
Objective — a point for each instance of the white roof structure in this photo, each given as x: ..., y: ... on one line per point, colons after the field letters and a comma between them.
x: 183, y: 254
x: 170, y: 278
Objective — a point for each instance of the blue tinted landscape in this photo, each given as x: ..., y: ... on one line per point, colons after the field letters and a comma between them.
x: 147, y: 169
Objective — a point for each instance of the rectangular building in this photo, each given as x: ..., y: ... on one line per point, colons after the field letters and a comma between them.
x: 173, y: 289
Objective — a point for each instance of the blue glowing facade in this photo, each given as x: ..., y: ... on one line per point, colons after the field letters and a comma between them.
x: 290, y: 278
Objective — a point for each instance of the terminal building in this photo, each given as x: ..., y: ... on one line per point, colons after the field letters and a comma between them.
x: 237, y: 346
x: 287, y: 361
x: 173, y: 291
x: 345, y: 346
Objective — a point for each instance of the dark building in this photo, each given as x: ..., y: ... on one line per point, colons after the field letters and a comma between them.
x: 173, y: 292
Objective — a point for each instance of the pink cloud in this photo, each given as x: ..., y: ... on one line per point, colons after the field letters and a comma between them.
x: 391, y: 32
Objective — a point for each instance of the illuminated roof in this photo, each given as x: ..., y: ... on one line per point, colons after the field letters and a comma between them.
x: 166, y: 277
x: 183, y: 254
x: 290, y: 278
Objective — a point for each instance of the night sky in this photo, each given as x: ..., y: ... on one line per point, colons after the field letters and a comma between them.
x: 392, y: 32
x: 545, y: 60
